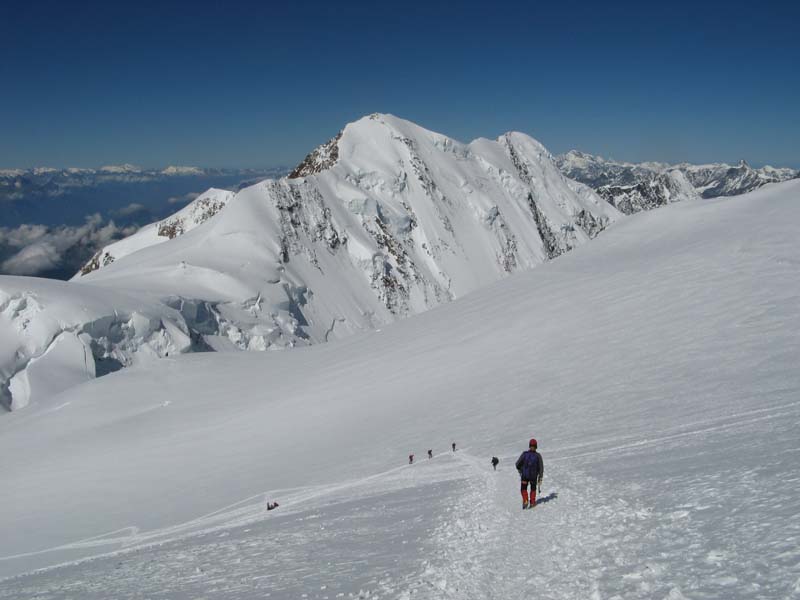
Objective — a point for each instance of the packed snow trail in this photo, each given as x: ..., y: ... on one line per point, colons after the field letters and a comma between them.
x: 562, y: 548
x: 587, y: 538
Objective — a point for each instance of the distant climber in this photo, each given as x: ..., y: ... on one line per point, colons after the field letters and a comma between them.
x: 454, y: 446
x: 430, y: 453
x: 495, y: 462
x: 531, y: 470
x: 272, y: 505
x: 410, y: 459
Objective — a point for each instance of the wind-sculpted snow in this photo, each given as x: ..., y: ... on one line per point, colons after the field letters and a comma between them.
x: 384, y: 221
x: 657, y: 367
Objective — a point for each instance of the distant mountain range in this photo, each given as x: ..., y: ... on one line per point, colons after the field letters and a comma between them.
x: 18, y: 184
x: 632, y: 187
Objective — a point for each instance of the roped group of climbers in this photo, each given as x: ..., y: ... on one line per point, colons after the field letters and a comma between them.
x: 530, y: 467
x: 430, y: 454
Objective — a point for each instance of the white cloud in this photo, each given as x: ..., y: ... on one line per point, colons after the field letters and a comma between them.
x: 184, y: 199
x: 132, y: 208
x: 33, y: 259
x: 36, y: 249
x: 22, y: 235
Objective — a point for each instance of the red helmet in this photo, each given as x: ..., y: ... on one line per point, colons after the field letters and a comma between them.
x: 533, y: 443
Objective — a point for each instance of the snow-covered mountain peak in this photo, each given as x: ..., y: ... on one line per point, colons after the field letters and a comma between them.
x: 124, y: 168
x: 373, y: 143
x: 385, y: 220
x: 174, y: 170
x: 578, y: 158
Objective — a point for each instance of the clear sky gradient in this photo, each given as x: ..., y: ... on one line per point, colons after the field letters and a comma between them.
x: 257, y: 84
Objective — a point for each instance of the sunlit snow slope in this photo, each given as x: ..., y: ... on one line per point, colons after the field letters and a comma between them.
x: 656, y: 366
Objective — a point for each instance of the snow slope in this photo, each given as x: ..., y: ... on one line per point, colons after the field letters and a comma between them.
x: 384, y: 221
x: 657, y: 368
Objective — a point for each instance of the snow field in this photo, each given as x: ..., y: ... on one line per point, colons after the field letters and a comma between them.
x: 353, y: 530
x: 657, y: 368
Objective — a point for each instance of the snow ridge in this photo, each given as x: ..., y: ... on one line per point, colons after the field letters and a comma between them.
x: 197, y: 212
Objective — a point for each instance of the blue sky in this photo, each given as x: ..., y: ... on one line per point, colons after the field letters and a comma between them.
x: 256, y: 84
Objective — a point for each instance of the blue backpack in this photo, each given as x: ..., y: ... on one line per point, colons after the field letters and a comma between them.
x: 530, y: 466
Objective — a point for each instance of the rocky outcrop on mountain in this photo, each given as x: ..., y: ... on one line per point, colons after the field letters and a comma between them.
x: 323, y: 157
x: 596, y: 171
x: 657, y: 189
x: 197, y: 213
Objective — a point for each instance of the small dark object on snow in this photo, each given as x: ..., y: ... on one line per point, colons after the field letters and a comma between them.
x: 454, y: 446
x: 272, y: 505
x: 410, y: 458
x: 495, y: 462
x: 430, y: 453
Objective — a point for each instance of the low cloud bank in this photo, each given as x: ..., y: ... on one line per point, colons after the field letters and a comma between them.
x: 132, y: 209
x: 184, y: 198
x: 57, y: 252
